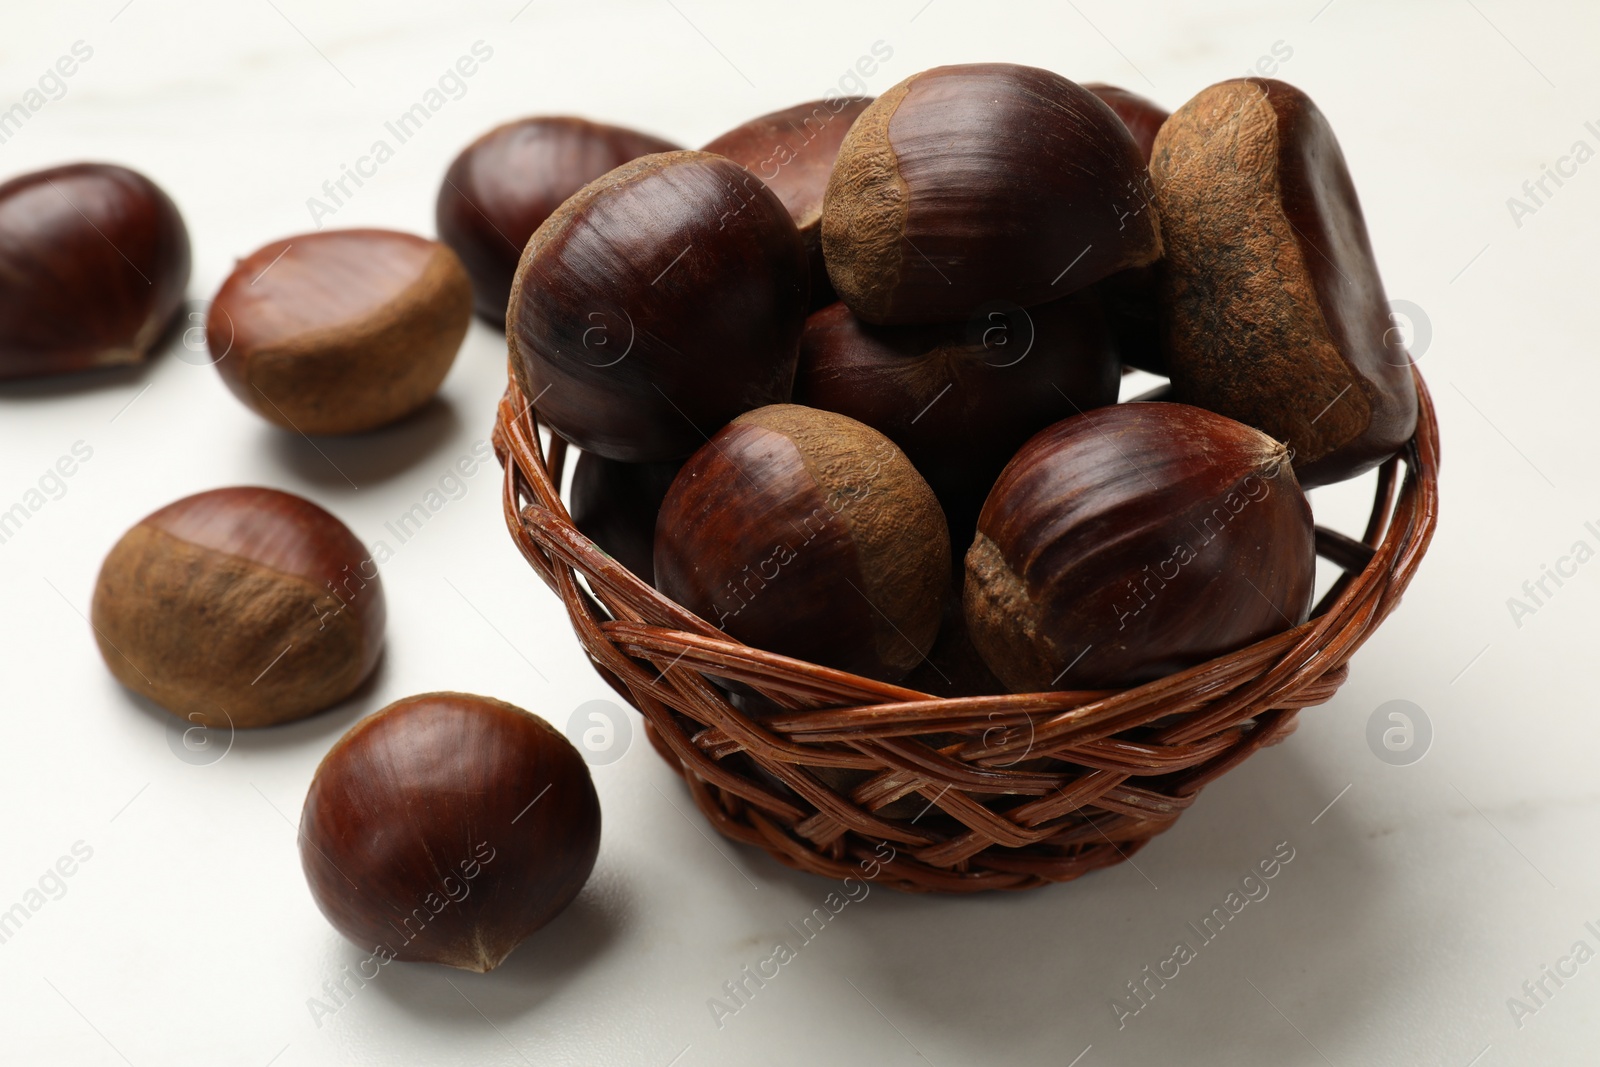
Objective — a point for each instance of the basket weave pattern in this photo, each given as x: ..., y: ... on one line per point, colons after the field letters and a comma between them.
x: 1009, y: 791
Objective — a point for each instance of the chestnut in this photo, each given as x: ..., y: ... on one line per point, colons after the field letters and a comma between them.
x: 340, y: 331
x: 615, y: 505
x: 95, y: 259
x: 1133, y: 541
x: 1142, y: 116
x: 961, y: 399
x: 506, y: 183
x: 1274, y: 311
x: 792, y: 152
x: 809, y: 534
x: 241, y: 606
x: 1130, y: 296
x: 1132, y: 302
x: 953, y: 667
x: 448, y: 827
x: 986, y: 181
x: 657, y: 303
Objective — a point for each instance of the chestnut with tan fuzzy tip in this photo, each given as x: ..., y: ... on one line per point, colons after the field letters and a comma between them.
x: 340, y: 331
x: 809, y: 534
x: 656, y: 304
x: 242, y: 607
x: 94, y: 259
x: 448, y: 827
x: 1134, y: 541
x: 506, y: 183
x: 1274, y: 310
x: 792, y: 151
x: 986, y: 181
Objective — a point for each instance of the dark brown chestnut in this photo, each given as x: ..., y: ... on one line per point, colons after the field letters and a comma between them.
x: 1133, y: 541
x: 1274, y: 311
x: 340, y: 331
x: 446, y: 828
x: 809, y: 534
x: 961, y: 399
x: 1132, y: 302
x: 954, y: 668
x: 240, y: 607
x: 1131, y: 296
x: 986, y: 181
x: 1142, y: 116
x: 506, y: 183
x: 792, y: 153
x: 656, y: 304
x: 95, y: 259
x: 615, y: 505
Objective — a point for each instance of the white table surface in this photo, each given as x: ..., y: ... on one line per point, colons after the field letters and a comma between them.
x: 1414, y: 908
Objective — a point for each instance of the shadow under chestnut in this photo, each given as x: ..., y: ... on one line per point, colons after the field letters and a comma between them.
x: 366, y: 458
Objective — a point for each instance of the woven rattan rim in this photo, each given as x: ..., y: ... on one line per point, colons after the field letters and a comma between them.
x: 1004, y: 792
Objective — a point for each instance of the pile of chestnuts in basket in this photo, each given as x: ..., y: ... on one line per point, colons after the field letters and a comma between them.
x: 845, y: 382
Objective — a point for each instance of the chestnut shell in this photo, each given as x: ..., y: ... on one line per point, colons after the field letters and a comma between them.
x: 809, y: 534
x: 1274, y: 310
x: 1142, y: 116
x: 792, y: 151
x: 448, y: 827
x: 1133, y: 541
x: 340, y: 331
x: 656, y: 304
x: 94, y: 260
x: 504, y: 185
x: 240, y: 607
x: 985, y: 181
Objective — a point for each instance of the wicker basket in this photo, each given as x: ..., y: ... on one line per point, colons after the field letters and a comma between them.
x: 994, y: 792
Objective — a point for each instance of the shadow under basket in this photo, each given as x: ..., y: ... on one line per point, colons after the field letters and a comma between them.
x: 1010, y: 791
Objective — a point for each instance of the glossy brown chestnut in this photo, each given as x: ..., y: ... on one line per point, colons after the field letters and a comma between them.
x: 340, y: 331
x: 1134, y: 541
x: 656, y: 304
x: 961, y: 399
x: 981, y: 182
x: 446, y: 828
x: 792, y: 153
x: 240, y: 607
x: 1274, y: 311
x: 1142, y: 116
x: 506, y: 183
x: 615, y: 505
x: 805, y: 533
x: 94, y: 259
